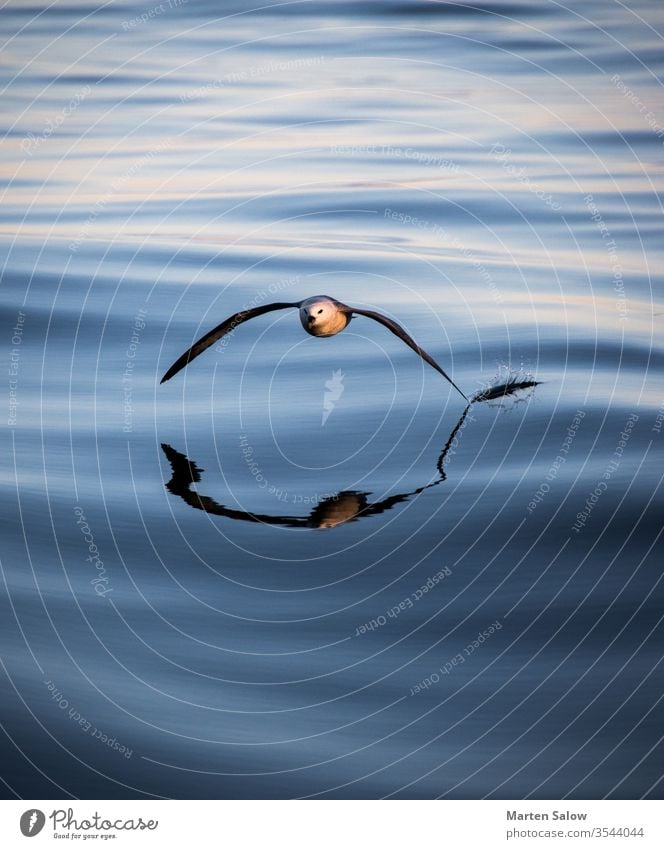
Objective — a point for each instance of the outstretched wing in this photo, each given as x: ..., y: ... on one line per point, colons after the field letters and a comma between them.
x: 186, y: 473
x: 219, y: 331
x: 401, y: 333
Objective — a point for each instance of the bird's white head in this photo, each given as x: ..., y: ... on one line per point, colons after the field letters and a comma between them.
x: 322, y: 316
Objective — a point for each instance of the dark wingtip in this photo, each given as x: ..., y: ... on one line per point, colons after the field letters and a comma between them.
x: 169, y: 374
x: 178, y: 365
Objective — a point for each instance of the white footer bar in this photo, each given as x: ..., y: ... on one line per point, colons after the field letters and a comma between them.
x: 333, y: 824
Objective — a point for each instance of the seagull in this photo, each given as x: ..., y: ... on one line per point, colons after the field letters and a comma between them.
x: 320, y: 316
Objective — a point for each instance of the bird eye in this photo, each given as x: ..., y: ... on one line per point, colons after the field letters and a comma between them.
x: 320, y: 311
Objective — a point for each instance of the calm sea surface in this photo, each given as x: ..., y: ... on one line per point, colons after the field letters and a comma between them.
x: 262, y: 579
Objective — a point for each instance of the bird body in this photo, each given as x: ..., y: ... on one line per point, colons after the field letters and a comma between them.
x: 320, y: 316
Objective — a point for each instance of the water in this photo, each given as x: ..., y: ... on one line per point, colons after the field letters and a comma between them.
x: 339, y: 619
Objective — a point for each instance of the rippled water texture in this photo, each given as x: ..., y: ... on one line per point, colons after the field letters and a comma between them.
x: 300, y: 568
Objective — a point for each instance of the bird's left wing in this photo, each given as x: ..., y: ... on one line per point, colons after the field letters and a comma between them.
x: 186, y: 473
x: 401, y: 333
x: 221, y: 330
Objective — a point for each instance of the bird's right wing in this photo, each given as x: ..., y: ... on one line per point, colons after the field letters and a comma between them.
x: 220, y: 330
x: 398, y: 330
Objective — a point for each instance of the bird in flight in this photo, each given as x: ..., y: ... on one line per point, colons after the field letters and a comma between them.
x: 320, y: 316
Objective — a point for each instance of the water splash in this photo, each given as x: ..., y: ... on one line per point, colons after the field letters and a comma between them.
x: 507, y: 382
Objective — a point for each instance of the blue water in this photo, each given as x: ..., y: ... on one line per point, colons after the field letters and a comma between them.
x: 213, y: 589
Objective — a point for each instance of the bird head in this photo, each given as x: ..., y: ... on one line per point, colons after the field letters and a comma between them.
x: 320, y: 316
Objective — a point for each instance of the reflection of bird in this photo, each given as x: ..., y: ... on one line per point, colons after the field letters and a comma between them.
x: 347, y: 506
x: 320, y: 316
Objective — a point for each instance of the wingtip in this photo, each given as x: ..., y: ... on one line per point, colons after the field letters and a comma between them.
x: 466, y: 399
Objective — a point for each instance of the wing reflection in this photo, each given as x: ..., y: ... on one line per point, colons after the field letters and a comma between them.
x: 345, y: 506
